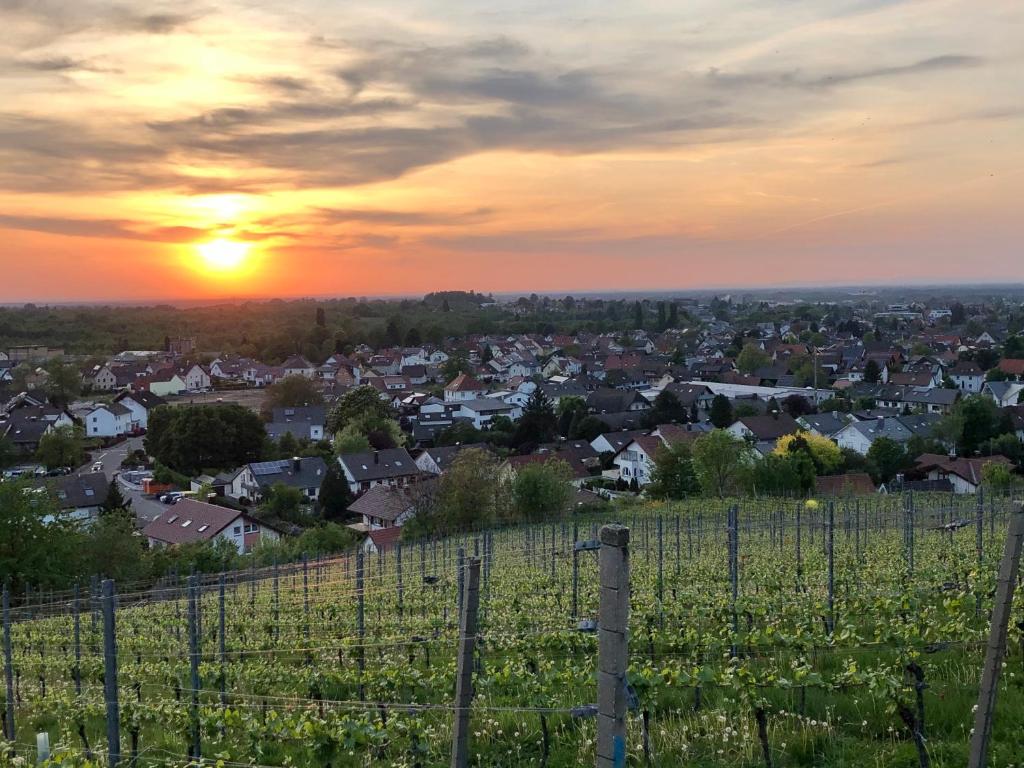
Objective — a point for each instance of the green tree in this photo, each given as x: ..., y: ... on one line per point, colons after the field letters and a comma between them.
x: 350, y: 440
x: 362, y: 408
x: 335, y: 495
x: 588, y: 428
x: 778, y: 475
x: 720, y: 414
x: 113, y: 548
x: 193, y: 438
x: 542, y: 491
x: 638, y: 316
x: 8, y: 453
x: 719, y: 460
x: 674, y: 476
x: 571, y: 410
x: 413, y: 337
x: 115, y: 503
x: 887, y: 458
x: 974, y: 421
x: 751, y: 358
x: 64, y: 383
x: 666, y: 409
x: 33, y: 551
x: 468, y: 493
x: 538, y: 424
x: 62, y: 447
x: 291, y: 392
x: 872, y: 372
x: 285, y: 503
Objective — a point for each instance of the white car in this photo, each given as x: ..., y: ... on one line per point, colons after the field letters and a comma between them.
x: 97, y: 466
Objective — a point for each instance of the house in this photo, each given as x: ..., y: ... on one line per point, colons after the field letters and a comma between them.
x: 382, y: 540
x: 140, y: 403
x: 297, y: 365
x: 1005, y: 393
x: 613, y: 442
x: 393, y: 467
x: 26, y: 424
x: 967, y: 377
x: 305, y: 473
x: 636, y: 460
x: 196, y: 378
x: 1012, y: 367
x: 78, y: 496
x: 482, y: 411
x: 165, y: 383
x: 616, y: 401
x: 305, y: 422
x: 113, y: 420
x: 384, y: 507
x: 860, y: 435
x: 824, y: 424
x: 436, y: 461
x: 965, y: 475
x: 102, y: 378
x: 764, y: 429
x: 463, y: 387
x: 191, y: 521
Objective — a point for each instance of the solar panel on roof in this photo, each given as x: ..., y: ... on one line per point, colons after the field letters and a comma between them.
x: 268, y: 467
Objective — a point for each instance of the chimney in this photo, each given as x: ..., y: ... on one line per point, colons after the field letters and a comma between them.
x: 376, y: 457
x: 296, y: 464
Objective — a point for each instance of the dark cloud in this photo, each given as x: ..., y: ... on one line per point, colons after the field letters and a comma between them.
x: 159, y: 23
x: 400, y: 218
x: 103, y: 228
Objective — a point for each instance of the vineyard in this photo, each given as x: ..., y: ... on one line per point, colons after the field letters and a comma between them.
x: 849, y: 632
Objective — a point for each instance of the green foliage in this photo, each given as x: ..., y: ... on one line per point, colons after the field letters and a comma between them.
x: 115, y: 503
x: 335, y: 495
x: 571, y: 410
x: 190, y: 439
x: 284, y: 502
x: 589, y: 428
x: 973, y: 422
x: 8, y: 453
x: 542, y: 491
x: 751, y: 358
x: 719, y: 460
x: 33, y: 551
x: 350, y: 440
x: 887, y: 458
x: 779, y: 475
x: 721, y: 414
x: 674, y: 476
x: 468, y: 495
x: 362, y: 411
x: 64, y: 383
x: 666, y: 409
x: 538, y: 423
x: 62, y: 447
x: 872, y: 372
x: 460, y: 433
x: 291, y: 392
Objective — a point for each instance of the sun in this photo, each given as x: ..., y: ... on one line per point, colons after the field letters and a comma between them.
x: 223, y: 255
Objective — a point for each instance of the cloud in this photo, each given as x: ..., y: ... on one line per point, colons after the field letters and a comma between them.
x: 401, y: 218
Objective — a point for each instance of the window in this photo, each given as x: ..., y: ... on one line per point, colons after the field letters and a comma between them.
x: 203, y: 528
x: 171, y: 519
x: 186, y: 524
x: 250, y: 528
x: 90, y: 492
x: 237, y: 530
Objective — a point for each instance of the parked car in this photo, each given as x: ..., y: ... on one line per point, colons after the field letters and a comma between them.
x: 97, y: 466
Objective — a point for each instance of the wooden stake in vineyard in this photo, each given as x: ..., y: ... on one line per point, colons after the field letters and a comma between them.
x: 613, y: 647
x: 996, y: 650
x: 464, y: 678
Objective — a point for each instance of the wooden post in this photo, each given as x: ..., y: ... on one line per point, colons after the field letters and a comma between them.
x: 613, y: 647
x: 9, y: 732
x: 464, y: 679
x: 361, y: 621
x: 109, y: 606
x: 1005, y: 587
x: 193, y: 655
x: 222, y: 643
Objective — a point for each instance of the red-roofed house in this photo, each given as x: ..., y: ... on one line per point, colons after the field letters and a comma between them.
x: 463, y: 387
x: 964, y: 474
x: 191, y: 521
x: 1011, y: 366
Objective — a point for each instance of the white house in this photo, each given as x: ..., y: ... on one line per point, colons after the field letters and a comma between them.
x: 636, y: 460
x: 197, y: 379
x: 860, y: 435
x: 140, y: 404
x: 192, y: 521
x: 108, y: 421
x: 166, y: 384
x: 483, y: 410
x: 967, y: 377
x: 463, y: 387
x: 297, y: 365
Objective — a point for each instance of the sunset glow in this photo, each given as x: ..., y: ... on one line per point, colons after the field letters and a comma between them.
x: 223, y: 255
x: 397, y: 147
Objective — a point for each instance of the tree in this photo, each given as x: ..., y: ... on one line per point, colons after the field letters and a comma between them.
x: 285, y: 503
x: 115, y: 503
x: 454, y: 365
x: 872, y: 372
x: 321, y: 319
x: 666, y: 409
x: 673, y: 315
x: 350, y: 440
x: 720, y: 414
x: 468, y: 493
x: 797, y: 405
x: 8, y: 453
x: 662, y: 316
x: 825, y: 454
x: 191, y: 439
x: 335, y: 494
x: 361, y: 407
x: 542, y: 491
x: 974, y: 421
x: 588, y: 428
x: 33, y: 550
x: 638, y: 315
x: 291, y: 392
x: 64, y: 383
x: 779, y: 475
x: 719, y: 459
x: 413, y: 337
x: 751, y: 358
x: 62, y: 447
x: 997, y: 476
x: 674, y: 476
x: 538, y: 423
x: 571, y: 410
x: 888, y: 458
x: 112, y: 547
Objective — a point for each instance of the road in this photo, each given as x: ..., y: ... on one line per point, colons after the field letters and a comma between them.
x: 146, y: 510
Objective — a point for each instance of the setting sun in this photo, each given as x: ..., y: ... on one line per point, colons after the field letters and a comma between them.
x: 222, y: 254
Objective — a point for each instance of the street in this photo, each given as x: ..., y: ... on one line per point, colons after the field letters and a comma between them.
x: 146, y: 510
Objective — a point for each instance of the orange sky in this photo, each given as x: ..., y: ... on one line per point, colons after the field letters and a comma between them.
x: 400, y: 147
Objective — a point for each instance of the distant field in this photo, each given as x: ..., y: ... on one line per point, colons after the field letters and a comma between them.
x: 250, y: 398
